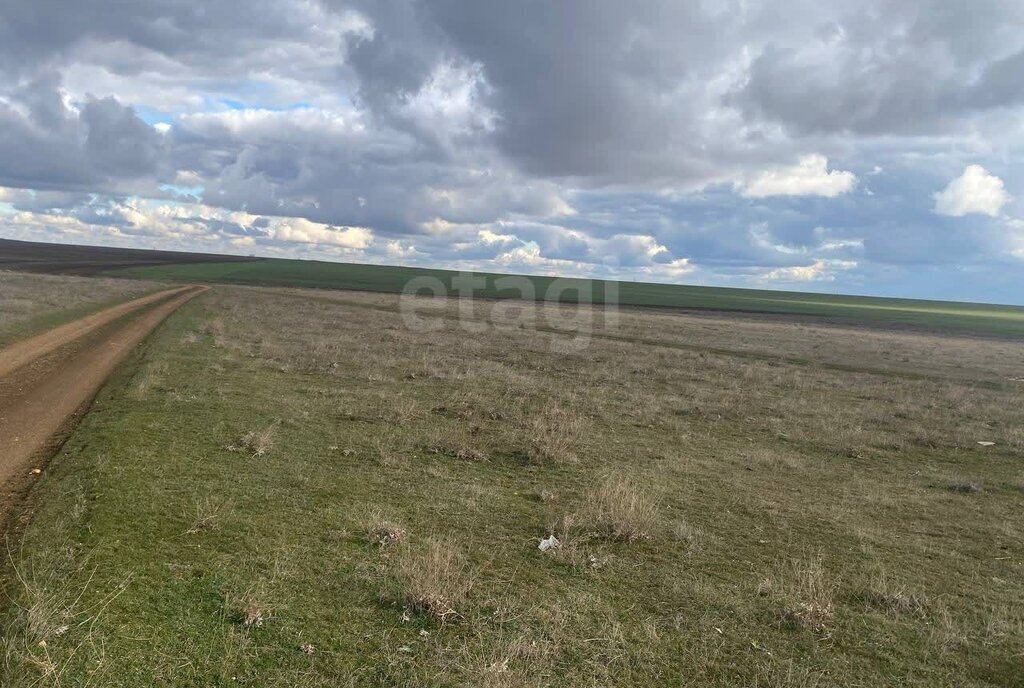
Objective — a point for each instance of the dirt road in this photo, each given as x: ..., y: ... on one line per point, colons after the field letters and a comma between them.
x: 20, y: 353
x: 47, y: 381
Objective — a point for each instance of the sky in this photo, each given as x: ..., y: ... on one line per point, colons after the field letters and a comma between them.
x: 870, y: 147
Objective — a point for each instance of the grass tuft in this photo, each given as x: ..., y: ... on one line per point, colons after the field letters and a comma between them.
x: 556, y: 435
x: 256, y: 443
x: 893, y: 599
x: 810, y: 593
x: 250, y: 609
x: 383, y: 532
x: 433, y: 578
x: 619, y: 510
x: 208, y: 513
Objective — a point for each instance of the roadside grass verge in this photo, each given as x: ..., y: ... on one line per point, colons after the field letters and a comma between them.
x: 721, y: 521
x: 31, y: 303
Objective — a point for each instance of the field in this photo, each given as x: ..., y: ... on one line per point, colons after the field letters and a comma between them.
x: 30, y: 256
x: 287, y: 487
x: 31, y: 303
x: 962, y: 317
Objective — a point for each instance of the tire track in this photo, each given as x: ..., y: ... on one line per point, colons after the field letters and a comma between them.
x: 47, y: 388
x: 21, y: 353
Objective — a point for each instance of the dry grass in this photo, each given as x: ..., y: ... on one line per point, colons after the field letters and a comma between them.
x: 217, y: 330
x: 382, y: 531
x: 892, y: 597
x: 388, y: 451
x: 147, y: 380
x: 691, y: 536
x: 406, y: 411
x: 25, y: 297
x: 810, y: 595
x: 618, y: 510
x: 256, y: 443
x: 51, y: 609
x: 433, y: 578
x: 456, y: 443
x: 555, y: 435
x: 209, y: 511
x: 251, y: 609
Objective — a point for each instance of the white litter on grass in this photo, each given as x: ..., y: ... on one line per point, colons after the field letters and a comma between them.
x: 550, y: 542
x: 987, y: 444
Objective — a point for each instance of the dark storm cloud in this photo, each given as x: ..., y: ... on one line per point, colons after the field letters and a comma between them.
x: 589, y: 89
x: 46, y: 145
x: 609, y: 92
x: 913, y: 68
x: 44, y: 31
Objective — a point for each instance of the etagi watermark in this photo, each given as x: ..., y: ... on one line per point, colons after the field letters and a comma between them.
x: 568, y: 310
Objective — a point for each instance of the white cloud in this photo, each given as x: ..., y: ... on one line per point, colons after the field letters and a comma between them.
x: 488, y: 237
x: 975, y: 191
x: 529, y: 259
x: 307, y: 232
x: 257, y: 125
x: 680, y: 267
x: 819, y: 270
x: 401, y: 250
x: 187, y: 222
x: 449, y: 101
x: 632, y: 249
x: 809, y: 177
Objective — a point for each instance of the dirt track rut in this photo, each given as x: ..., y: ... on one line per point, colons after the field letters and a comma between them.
x: 18, y: 354
x: 48, y: 380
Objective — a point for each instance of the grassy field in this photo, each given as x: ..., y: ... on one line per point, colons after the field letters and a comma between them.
x: 966, y: 317
x: 33, y: 303
x: 293, y: 488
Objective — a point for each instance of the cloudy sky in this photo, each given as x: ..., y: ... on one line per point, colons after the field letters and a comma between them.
x: 870, y: 147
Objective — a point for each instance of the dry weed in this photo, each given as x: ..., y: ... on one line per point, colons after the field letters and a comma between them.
x: 383, y: 532
x: 689, y: 535
x: 810, y: 596
x: 433, y: 578
x: 386, y: 451
x: 256, y: 443
x: 208, y: 512
x: 892, y: 598
x: 250, y: 609
x: 216, y: 329
x: 405, y: 411
x: 455, y: 443
x: 618, y: 510
x: 556, y: 435
x: 947, y: 633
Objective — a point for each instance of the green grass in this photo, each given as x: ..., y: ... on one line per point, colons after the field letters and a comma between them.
x: 955, y: 316
x: 772, y: 497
